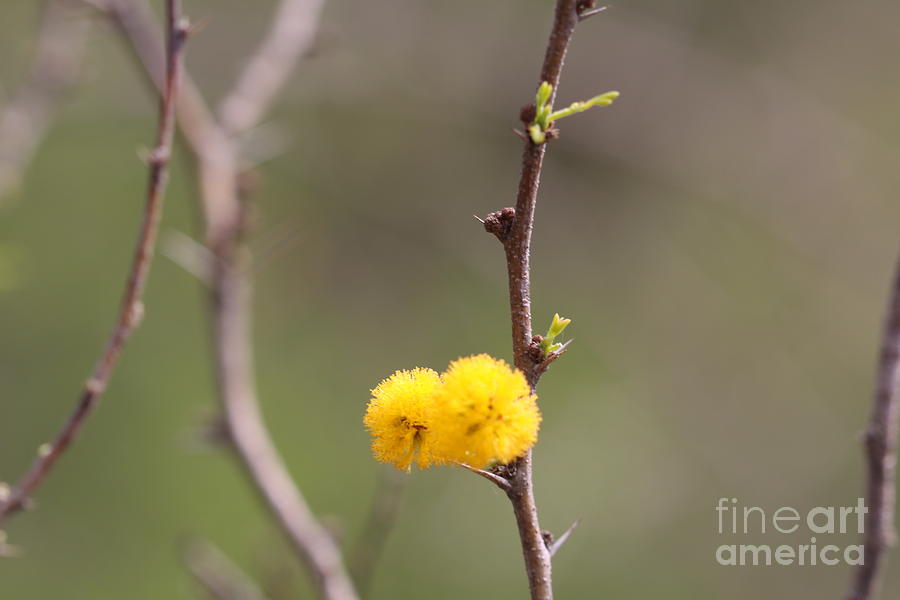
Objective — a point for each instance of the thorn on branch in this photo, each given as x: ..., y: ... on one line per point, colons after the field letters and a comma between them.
x: 555, y: 546
x: 500, y: 223
x: 588, y: 8
x: 7, y: 550
x: 498, y: 480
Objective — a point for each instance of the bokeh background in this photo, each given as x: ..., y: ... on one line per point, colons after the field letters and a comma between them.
x: 722, y: 236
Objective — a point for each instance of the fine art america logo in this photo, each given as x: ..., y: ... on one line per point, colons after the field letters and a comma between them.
x: 735, y: 520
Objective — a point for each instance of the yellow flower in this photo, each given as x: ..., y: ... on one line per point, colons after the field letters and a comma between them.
x: 484, y: 411
x: 398, y: 418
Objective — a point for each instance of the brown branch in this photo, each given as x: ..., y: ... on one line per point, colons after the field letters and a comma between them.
x: 514, y: 228
x: 226, y: 223
x: 59, y: 49
x: 881, y: 455
x: 292, y: 32
x: 131, y: 308
x: 217, y: 574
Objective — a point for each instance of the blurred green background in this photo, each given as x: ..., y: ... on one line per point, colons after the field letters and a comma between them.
x: 722, y: 236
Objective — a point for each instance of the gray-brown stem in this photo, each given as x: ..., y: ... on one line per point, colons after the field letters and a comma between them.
x: 881, y: 455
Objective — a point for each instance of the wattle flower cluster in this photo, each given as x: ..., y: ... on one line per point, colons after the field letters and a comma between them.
x: 479, y: 412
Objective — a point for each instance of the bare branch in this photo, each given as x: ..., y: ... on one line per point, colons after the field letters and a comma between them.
x: 881, y: 455
x: 380, y: 522
x: 58, y: 54
x: 131, y: 308
x: 217, y: 574
x: 292, y: 32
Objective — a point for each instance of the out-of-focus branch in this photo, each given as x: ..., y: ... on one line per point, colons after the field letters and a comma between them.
x: 210, y: 146
x: 226, y: 223
x: 292, y: 31
x: 217, y: 574
x: 379, y: 523
x: 881, y: 454
x: 232, y: 293
x: 131, y: 308
x: 56, y: 67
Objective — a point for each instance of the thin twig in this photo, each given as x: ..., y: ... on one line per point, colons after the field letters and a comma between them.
x: 515, y: 234
x: 59, y: 49
x: 131, y: 308
x: 881, y: 455
x: 226, y: 223
x: 217, y: 574
x: 382, y: 516
x: 292, y: 31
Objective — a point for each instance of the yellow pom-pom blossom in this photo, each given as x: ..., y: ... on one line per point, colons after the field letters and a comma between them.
x: 484, y: 412
x: 398, y: 417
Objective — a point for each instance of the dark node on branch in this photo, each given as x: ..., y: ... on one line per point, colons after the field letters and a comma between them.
x: 248, y: 182
x: 548, y: 359
x: 158, y: 157
x: 21, y: 504
x: 184, y: 29
x: 535, y: 352
x: 527, y: 114
x: 507, y: 472
x: 214, y: 433
x: 500, y: 222
x: 548, y: 538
